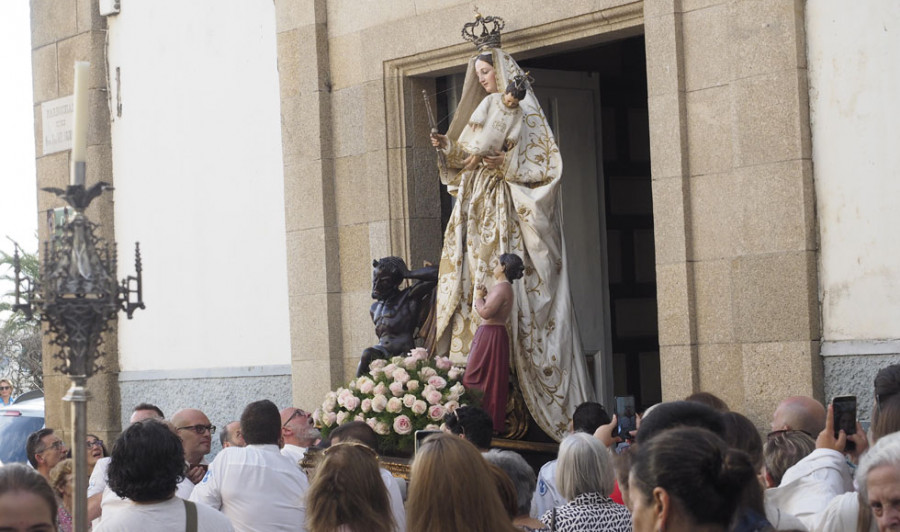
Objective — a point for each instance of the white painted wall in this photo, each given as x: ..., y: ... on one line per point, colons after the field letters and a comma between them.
x: 854, y: 74
x: 199, y: 182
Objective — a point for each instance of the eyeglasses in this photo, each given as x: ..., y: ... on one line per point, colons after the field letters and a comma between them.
x: 776, y: 433
x: 297, y: 413
x: 94, y: 443
x: 5, y: 387
x: 56, y: 446
x: 199, y: 429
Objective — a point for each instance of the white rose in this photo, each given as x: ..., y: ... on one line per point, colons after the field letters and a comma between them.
x: 419, y: 407
x: 379, y: 402
x: 394, y: 405
x: 400, y: 375
x: 382, y: 428
x: 412, y: 385
x: 396, y: 389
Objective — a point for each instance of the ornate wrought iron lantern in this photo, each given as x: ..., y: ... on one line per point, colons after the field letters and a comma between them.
x: 78, y: 297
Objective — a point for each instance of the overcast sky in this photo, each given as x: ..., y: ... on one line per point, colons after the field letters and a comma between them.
x: 18, y: 195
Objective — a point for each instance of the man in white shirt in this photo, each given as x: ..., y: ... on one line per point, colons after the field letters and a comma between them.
x: 147, y: 463
x: 298, y: 431
x: 363, y: 433
x: 195, y: 431
x: 255, y: 486
x: 231, y: 435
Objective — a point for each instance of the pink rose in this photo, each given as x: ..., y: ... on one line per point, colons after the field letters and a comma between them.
x: 437, y: 382
x: 359, y: 417
x: 379, y: 402
x: 452, y: 397
x: 378, y: 363
x: 400, y: 375
x: 341, y: 417
x: 410, y: 362
x: 375, y: 372
x: 389, y: 370
x: 436, y: 412
x: 396, y: 389
x: 453, y: 374
x: 329, y: 418
x: 409, y: 400
x: 442, y: 363
x: 419, y: 407
x: 394, y: 405
x: 380, y: 389
x: 366, y: 405
x: 433, y: 396
x: 402, y: 425
x: 351, y: 403
x: 420, y: 353
x: 371, y: 422
x: 382, y: 428
x: 412, y: 385
x: 427, y: 372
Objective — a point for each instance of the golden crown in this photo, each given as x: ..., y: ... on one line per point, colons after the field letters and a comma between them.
x: 484, y: 32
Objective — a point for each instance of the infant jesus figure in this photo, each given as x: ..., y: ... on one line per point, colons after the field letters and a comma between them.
x: 495, y: 124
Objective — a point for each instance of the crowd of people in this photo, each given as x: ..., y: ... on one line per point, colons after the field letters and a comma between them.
x: 689, y: 465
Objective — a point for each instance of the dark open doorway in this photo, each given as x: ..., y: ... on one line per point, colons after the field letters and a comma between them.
x: 627, y: 208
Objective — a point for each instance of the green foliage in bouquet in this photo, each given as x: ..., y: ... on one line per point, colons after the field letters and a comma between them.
x: 397, y: 398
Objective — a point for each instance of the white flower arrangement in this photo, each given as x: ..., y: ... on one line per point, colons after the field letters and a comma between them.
x: 398, y: 397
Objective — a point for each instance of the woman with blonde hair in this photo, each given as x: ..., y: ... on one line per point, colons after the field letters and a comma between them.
x: 450, y: 490
x: 62, y: 480
x: 347, y: 493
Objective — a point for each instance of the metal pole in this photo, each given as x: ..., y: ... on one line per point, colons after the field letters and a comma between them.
x: 78, y: 396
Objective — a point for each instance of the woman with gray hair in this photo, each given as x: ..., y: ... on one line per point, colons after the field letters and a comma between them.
x: 585, y: 478
x: 878, y: 477
x: 523, y: 479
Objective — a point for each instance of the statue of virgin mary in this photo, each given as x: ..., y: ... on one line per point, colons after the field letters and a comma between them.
x: 510, y: 203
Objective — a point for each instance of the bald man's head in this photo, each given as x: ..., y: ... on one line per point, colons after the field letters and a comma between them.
x: 800, y: 413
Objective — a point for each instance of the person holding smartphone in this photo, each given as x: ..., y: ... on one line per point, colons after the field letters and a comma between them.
x: 807, y: 488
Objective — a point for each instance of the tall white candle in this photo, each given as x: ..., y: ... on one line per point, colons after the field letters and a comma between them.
x: 79, y: 130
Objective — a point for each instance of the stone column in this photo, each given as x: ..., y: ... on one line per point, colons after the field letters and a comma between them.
x: 62, y: 32
x: 733, y: 201
x: 310, y: 214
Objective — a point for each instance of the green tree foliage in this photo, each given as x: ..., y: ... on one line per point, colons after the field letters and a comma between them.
x: 20, y: 336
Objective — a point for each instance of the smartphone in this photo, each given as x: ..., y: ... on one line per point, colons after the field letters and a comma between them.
x: 421, y: 436
x: 626, y: 417
x: 844, y: 408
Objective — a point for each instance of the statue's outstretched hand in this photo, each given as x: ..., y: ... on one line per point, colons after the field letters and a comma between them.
x: 438, y: 140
